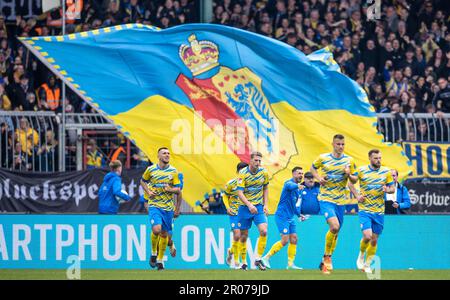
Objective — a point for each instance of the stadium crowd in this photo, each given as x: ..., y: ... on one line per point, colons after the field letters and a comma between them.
x: 401, y: 59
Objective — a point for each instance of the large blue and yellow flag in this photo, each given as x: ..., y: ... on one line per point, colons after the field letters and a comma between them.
x: 213, y: 94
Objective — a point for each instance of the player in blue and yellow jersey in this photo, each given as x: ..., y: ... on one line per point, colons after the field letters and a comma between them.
x: 336, y: 169
x: 374, y: 182
x: 253, y: 191
x: 233, y: 203
x: 288, y: 207
x: 160, y: 182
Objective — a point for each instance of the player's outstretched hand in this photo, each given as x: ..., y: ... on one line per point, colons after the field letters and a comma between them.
x: 176, y: 213
x: 266, y: 210
x: 323, y: 180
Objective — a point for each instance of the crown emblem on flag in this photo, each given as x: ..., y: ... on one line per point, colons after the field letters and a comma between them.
x: 199, y: 56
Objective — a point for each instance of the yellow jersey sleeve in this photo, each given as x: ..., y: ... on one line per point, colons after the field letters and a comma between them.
x: 176, y: 180
x: 266, y: 178
x: 318, y: 162
x: 147, y: 174
x: 353, y: 168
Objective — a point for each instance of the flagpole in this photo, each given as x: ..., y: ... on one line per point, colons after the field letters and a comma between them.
x: 63, y: 88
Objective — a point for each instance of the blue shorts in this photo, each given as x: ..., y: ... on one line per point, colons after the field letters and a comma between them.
x: 245, y: 217
x: 285, y: 226
x: 371, y: 221
x: 330, y: 210
x: 234, y: 221
x: 161, y: 217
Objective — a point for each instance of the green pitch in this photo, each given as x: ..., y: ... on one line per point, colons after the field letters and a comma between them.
x: 90, y: 274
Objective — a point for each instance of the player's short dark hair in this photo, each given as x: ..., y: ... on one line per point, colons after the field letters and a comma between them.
x: 338, y: 137
x: 240, y: 166
x: 115, y: 164
x: 296, y: 168
x: 376, y: 151
x: 163, y: 148
x: 255, y: 153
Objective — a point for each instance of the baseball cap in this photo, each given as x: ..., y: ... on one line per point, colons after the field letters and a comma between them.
x: 309, y: 175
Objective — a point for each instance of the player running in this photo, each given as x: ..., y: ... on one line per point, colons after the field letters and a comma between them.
x: 374, y: 181
x: 160, y: 181
x: 337, y: 169
x: 178, y: 198
x: 253, y: 191
x: 288, y: 207
x: 232, y: 198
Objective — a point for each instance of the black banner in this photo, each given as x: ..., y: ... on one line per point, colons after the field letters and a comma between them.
x: 429, y: 197
x: 62, y: 192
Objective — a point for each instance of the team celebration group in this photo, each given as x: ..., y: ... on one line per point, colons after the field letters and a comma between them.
x: 247, y: 196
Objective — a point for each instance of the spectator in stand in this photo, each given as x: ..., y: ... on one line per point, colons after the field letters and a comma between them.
x: 50, y: 94
x: 21, y: 161
x: 28, y: 137
x: 46, y: 154
x: 5, y: 103
x: 442, y: 97
x: 20, y: 91
x: 117, y: 151
x: 30, y: 103
x: 94, y: 157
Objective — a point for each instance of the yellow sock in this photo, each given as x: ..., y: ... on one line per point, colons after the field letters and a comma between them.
x: 292, y: 251
x: 235, y: 250
x: 261, y: 244
x: 155, y: 239
x: 243, y: 250
x: 371, y: 250
x: 275, y: 248
x: 329, y: 240
x: 333, y: 246
x: 363, y: 246
x: 162, y: 245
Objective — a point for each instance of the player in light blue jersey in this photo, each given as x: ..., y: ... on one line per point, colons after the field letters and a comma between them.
x: 287, y: 210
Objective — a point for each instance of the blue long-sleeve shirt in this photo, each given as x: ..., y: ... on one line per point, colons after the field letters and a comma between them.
x: 310, y: 204
x: 290, y: 198
x: 403, y: 200
x: 110, y: 188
